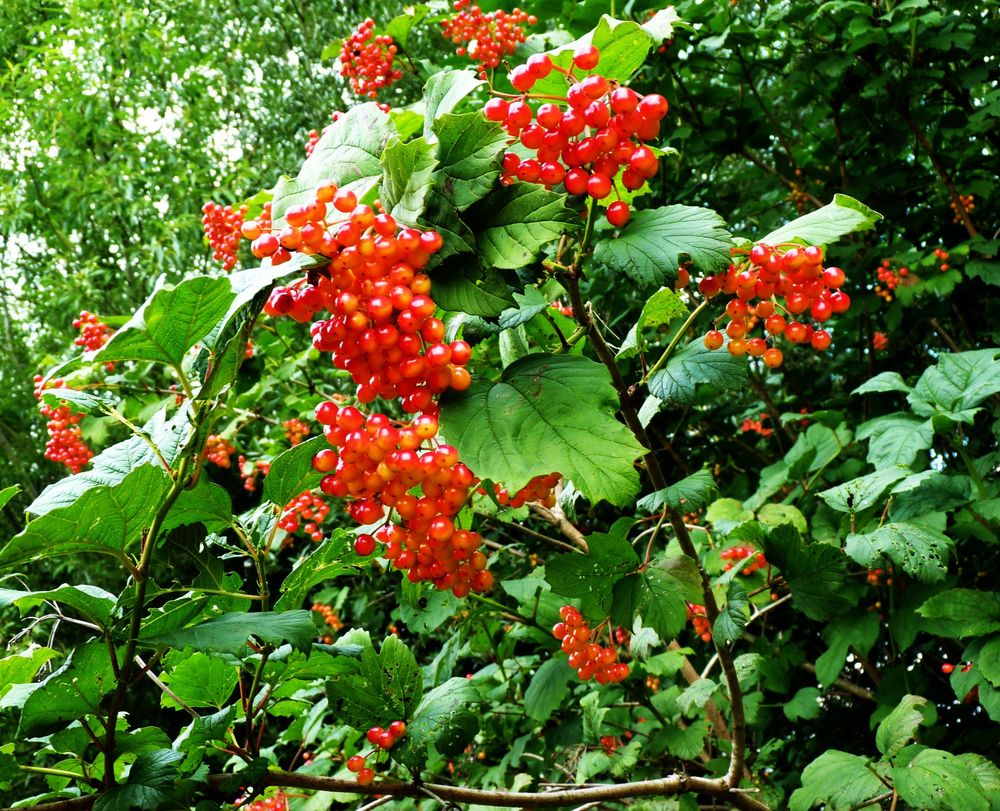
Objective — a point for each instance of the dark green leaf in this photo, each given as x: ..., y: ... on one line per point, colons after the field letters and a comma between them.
x: 461, y: 286
x: 514, y: 223
x: 899, y: 727
x: 816, y: 573
x: 932, y: 779
x: 733, y: 616
x: 805, y: 704
x: 198, y: 680
x: 665, y: 587
x: 655, y: 242
x: 837, y: 780
x: 661, y: 308
x: 73, y: 691
x: 91, y: 602
x: 921, y: 551
x: 961, y: 613
x: 956, y: 385
x: 443, y: 92
x: 529, y: 304
x: 230, y: 632
x: 406, y: 178
x: 861, y: 493
x: 334, y: 557
x: 447, y: 717
x: 548, y: 689
x: 690, y: 493
x: 692, y: 365
x: 896, y: 439
x: 147, y: 786
x: 292, y: 472
x: 469, y: 150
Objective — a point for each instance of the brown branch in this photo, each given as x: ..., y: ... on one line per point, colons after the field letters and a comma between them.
x: 558, y: 519
x: 666, y: 786
x: 843, y: 684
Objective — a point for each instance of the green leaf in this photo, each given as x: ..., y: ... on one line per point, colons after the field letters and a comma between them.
x: 399, y: 27
x: 623, y: 47
x: 690, y: 493
x: 961, y: 613
x: 468, y: 154
x: 987, y: 774
x: 348, y: 153
x: 82, y: 402
x: 590, y: 578
x: 459, y: 240
x: 732, y: 619
x: 899, y: 727
x: 443, y: 92
x: 23, y: 666
x: 8, y: 493
x: 292, y: 472
x: 424, y: 608
x: 150, y: 780
x: 661, y: 308
x: 514, y: 223
x: 230, y: 632
x: 198, y: 680
x: 725, y: 514
x: 529, y: 304
x: 112, y: 465
x: 91, y: 602
x: 661, y: 26
x: 686, y: 743
x: 816, y: 573
x: 774, y: 515
x: 957, y: 384
x: 693, y: 364
x: 664, y: 588
x: 933, y: 779
x: 896, y: 439
x: 548, y: 689
x: 171, y: 321
x: 655, y: 242
x: 861, y: 493
x: 921, y: 551
x: 73, y: 691
x: 447, y: 717
x: 376, y: 688
x: 989, y: 661
x: 406, y: 178
x: 695, y: 696
x: 989, y: 272
x: 334, y: 557
x: 804, y: 704
x: 106, y: 520
x: 559, y: 406
x: 461, y: 286
x: 837, y: 779
x: 884, y: 381
x: 843, y: 216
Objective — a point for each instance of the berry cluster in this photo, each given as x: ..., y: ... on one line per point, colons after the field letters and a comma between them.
x: 486, y: 38
x: 65, y: 444
x: 295, y: 430
x: 942, y: 255
x: 586, y: 656
x: 584, y: 139
x: 377, y: 463
x: 94, y: 333
x: 249, y: 471
x: 880, y: 341
x: 222, y: 226
x: 277, y: 802
x: 384, y: 739
x: 308, y: 507
x: 699, y: 619
x: 965, y: 201
x: 785, y: 283
x: 218, y: 450
x: 562, y: 309
x: 540, y: 489
x: 878, y: 577
x: 756, y: 426
x: 366, y: 60
x: 331, y: 618
x: 737, y: 553
x: 889, y: 279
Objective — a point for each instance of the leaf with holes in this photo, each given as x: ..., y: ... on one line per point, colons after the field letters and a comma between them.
x: 921, y: 551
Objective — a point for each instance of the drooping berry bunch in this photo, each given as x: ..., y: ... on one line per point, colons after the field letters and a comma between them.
x: 737, y: 553
x: 878, y: 577
x: 65, y: 444
x: 889, y: 279
x: 699, y: 619
x: 377, y: 463
x: 218, y: 450
x: 308, y: 507
x: 785, y: 283
x: 485, y: 38
x: 94, y: 333
x: 540, y: 489
x: 295, y: 430
x: 222, y: 226
x: 331, y: 618
x: 582, y: 140
x: 384, y: 740
x: 966, y: 202
x: 942, y: 255
x: 587, y: 657
x: 366, y: 60
x: 880, y: 341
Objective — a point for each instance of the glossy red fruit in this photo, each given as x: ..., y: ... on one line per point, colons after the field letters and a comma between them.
x: 618, y: 213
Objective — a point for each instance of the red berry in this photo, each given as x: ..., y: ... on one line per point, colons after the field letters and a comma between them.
x: 586, y: 57
x: 618, y: 213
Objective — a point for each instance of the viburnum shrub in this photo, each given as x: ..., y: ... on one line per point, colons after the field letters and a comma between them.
x: 460, y: 348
